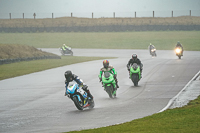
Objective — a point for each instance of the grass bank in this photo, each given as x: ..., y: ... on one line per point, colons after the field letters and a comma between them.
x: 26, y: 67
x: 8, y: 51
x: 163, y: 40
x: 179, y: 120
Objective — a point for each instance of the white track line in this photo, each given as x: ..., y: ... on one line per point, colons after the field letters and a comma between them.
x: 174, y: 98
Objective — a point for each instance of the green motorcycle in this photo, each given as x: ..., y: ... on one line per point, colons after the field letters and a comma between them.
x: 109, y: 84
x: 135, y: 73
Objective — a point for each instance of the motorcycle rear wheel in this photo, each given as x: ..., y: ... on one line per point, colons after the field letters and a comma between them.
x: 91, y: 104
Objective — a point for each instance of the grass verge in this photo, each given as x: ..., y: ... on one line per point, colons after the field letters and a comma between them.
x: 26, y: 67
x: 180, y: 120
x: 163, y: 40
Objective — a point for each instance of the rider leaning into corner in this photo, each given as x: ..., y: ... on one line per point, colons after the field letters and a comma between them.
x: 134, y: 59
x: 180, y: 45
x: 69, y: 77
x: 107, y: 68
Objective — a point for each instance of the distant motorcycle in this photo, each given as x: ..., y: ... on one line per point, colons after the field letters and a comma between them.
x: 68, y: 51
x: 109, y: 84
x: 79, y: 97
x: 153, y: 52
x: 135, y: 74
x: 178, y: 52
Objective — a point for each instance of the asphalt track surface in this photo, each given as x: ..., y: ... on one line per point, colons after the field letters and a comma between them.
x: 36, y: 102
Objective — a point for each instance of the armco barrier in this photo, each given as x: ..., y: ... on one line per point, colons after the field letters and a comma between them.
x: 101, y: 28
x: 8, y: 61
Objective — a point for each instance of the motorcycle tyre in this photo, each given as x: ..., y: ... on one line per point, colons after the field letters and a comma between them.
x: 109, y: 90
x: 71, y: 53
x: 77, y: 103
x: 153, y: 54
x: 135, y: 79
x: 91, y: 104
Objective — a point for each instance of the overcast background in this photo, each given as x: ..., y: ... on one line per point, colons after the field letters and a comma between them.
x: 100, y: 8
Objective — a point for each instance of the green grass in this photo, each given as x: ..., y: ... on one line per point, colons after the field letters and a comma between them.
x: 26, y: 67
x: 8, y: 51
x: 163, y: 40
x: 179, y: 120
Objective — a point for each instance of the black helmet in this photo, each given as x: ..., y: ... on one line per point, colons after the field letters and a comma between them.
x: 134, y: 56
x: 106, y: 63
x: 68, y: 74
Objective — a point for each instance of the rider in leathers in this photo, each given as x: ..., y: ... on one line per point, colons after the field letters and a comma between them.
x: 151, y: 47
x: 107, y: 68
x: 134, y: 59
x: 180, y: 45
x: 72, y: 77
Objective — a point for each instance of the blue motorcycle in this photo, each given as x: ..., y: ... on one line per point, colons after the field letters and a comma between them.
x: 79, y: 97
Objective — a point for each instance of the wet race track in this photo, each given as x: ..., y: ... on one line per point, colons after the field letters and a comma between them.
x: 36, y: 102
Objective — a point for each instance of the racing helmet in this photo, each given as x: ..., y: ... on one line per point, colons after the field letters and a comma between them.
x: 178, y: 42
x: 68, y: 74
x: 106, y: 63
x: 134, y: 56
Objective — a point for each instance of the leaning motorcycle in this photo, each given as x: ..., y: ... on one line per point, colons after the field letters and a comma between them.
x: 68, y: 51
x: 79, y: 97
x: 109, y: 84
x: 135, y: 74
x: 178, y: 52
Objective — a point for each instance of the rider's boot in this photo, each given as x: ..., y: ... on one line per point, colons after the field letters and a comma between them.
x: 117, y: 86
x: 129, y: 74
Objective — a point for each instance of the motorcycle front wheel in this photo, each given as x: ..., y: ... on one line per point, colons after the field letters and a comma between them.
x: 78, y: 104
x: 135, y: 79
x: 109, y: 90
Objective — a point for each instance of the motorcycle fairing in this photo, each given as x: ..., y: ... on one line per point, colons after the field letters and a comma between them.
x: 135, y: 70
x: 108, y: 81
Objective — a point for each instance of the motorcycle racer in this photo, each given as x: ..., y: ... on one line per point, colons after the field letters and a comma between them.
x: 134, y: 59
x: 150, y: 47
x: 107, y: 68
x: 180, y: 45
x: 72, y: 77
x: 64, y: 47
